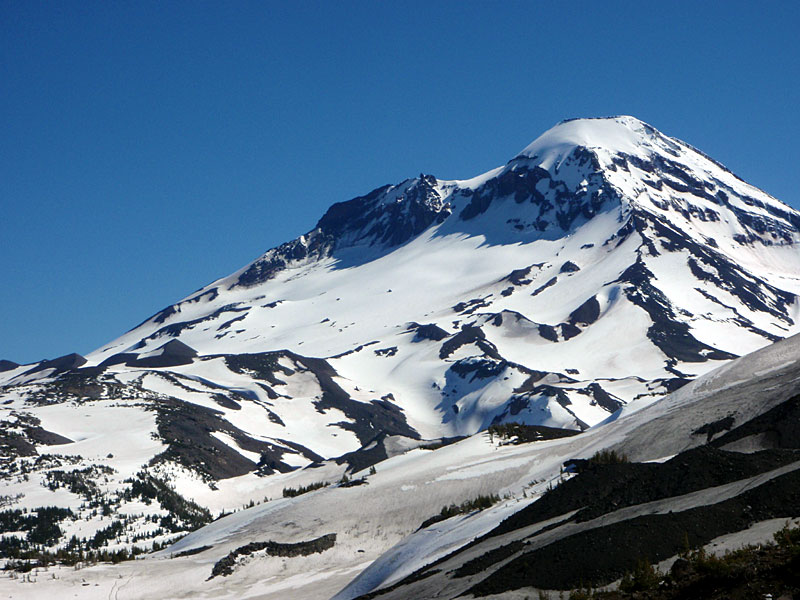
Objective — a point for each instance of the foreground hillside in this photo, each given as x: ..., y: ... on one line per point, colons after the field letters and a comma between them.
x: 723, y: 472
x: 715, y: 463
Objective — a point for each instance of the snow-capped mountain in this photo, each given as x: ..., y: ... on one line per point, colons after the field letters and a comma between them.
x: 606, y: 264
x: 603, y: 263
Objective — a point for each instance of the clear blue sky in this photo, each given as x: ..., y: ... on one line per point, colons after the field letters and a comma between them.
x: 149, y: 148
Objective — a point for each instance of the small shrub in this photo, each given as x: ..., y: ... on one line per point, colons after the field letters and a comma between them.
x: 480, y: 503
x: 608, y: 457
x: 644, y: 577
x: 731, y: 565
x: 788, y: 537
x: 581, y: 594
x: 291, y: 492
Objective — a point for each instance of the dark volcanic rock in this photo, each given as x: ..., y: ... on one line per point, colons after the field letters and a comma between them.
x: 520, y: 276
x: 603, y: 398
x: 601, y: 555
x: 365, y: 220
x: 776, y: 428
x: 315, y: 245
x: 61, y: 364
x: 46, y: 438
x: 469, y: 335
x: 599, y: 489
x: 187, y: 430
x: 587, y: 313
x: 429, y: 331
x: 13, y: 444
x: 712, y: 429
x: 521, y: 182
x: 369, y: 454
x: 569, y: 267
x: 470, y: 306
x: 175, y: 329
x: 478, y: 368
x: 708, y: 264
x: 544, y: 286
x: 518, y: 433
x: 401, y: 221
x: 118, y: 359
x: 548, y: 332
x: 672, y: 336
x: 263, y: 365
x: 368, y: 418
x: 20, y: 437
x: 7, y: 365
x: 173, y: 354
x: 568, y: 330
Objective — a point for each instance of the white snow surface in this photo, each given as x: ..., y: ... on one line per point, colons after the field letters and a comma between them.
x: 619, y: 134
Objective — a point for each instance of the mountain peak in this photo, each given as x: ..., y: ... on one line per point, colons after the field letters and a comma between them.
x: 613, y: 196
x: 620, y: 134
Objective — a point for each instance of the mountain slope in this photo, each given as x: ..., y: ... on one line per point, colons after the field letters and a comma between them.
x: 377, y: 523
x: 531, y: 271
x: 606, y: 265
x: 710, y: 463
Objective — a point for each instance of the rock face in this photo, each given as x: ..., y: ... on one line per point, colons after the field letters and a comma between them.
x: 388, y: 216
